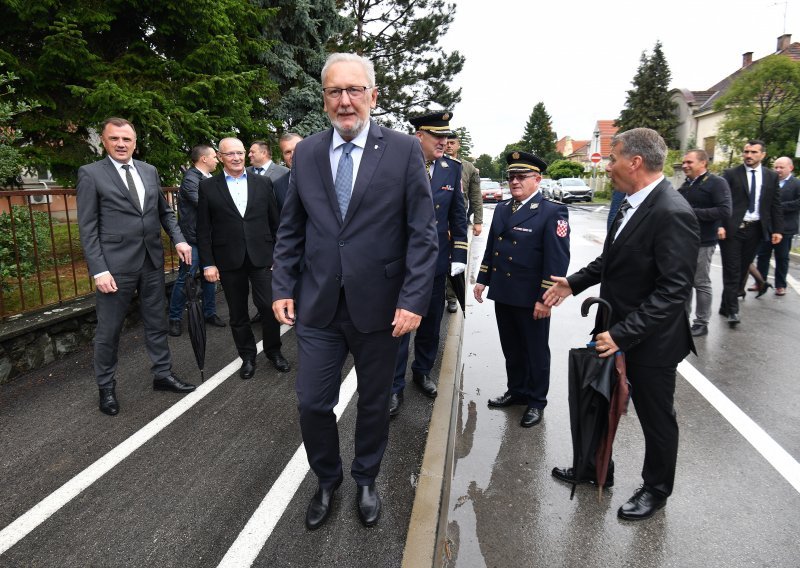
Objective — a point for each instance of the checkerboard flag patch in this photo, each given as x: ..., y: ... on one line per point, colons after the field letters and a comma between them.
x: 562, y: 227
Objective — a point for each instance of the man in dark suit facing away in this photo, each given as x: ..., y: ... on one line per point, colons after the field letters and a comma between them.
x: 261, y: 164
x: 121, y: 212
x: 359, y: 219
x: 237, y: 219
x: 646, y: 273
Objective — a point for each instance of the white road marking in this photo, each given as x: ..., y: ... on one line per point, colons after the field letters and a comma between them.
x: 44, y: 509
x: 763, y: 443
x: 245, y: 549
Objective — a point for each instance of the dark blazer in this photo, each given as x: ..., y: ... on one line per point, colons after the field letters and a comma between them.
x: 790, y: 204
x: 769, y: 204
x: 383, y: 254
x: 115, y: 233
x: 646, y: 275
x: 451, y: 214
x: 187, y: 203
x: 223, y: 235
x: 710, y: 198
x: 524, y: 249
x: 279, y: 175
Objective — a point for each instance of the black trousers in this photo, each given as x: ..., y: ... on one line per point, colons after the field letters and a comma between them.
x: 237, y: 284
x: 653, y: 394
x: 738, y: 251
x: 321, y: 355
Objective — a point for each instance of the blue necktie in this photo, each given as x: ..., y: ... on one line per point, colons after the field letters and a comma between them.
x: 344, y: 178
x: 752, y: 206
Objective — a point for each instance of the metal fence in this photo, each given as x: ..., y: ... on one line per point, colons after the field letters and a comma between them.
x: 41, y: 259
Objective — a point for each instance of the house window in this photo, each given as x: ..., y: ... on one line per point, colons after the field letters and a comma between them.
x: 709, y: 145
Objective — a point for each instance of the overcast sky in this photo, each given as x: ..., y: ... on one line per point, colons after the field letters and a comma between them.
x: 579, y: 57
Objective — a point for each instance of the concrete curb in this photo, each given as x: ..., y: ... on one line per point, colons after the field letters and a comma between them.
x: 427, y: 527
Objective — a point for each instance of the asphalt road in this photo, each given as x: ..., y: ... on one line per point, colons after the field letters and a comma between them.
x: 731, y: 506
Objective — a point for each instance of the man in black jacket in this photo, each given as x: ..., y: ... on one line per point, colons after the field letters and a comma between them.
x: 710, y: 198
x: 204, y: 160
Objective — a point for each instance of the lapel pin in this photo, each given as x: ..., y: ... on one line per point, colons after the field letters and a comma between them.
x: 376, y: 146
x: 534, y: 205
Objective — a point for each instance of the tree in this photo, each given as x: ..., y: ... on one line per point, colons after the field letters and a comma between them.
x: 401, y: 37
x: 182, y: 72
x: 465, y: 139
x: 565, y: 169
x: 649, y: 104
x: 10, y: 107
x: 763, y: 103
x: 486, y: 166
x: 539, y: 136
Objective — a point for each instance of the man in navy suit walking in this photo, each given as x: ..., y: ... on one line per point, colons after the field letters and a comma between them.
x: 356, y: 250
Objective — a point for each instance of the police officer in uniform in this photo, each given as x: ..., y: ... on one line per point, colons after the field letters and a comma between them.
x: 432, y: 131
x: 528, y: 242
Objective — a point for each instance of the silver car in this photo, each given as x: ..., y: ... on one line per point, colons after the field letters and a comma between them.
x: 572, y: 189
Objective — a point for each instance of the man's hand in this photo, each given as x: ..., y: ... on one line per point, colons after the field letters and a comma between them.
x: 776, y: 238
x: 604, y: 345
x: 540, y: 311
x: 560, y: 290
x: 284, y: 311
x: 457, y: 268
x: 477, y: 291
x: 404, y: 322
x: 211, y: 274
x: 105, y: 283
x: 476, y: 229
x: 721, y: 233
x: 185, y: 252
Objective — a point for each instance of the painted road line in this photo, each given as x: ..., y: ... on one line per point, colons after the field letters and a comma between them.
x: 39, y: 513
x: 245, y: 549
x: 763, y: 443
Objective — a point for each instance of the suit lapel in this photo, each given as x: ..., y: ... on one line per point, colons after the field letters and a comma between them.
x: 323, y: 160
x: 642, y: 212
x: 222, y: 188
x: 370, y: 158
x: 150, y: 193
x: 111, y: 170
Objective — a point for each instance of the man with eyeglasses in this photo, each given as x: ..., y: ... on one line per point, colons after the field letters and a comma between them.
x: 528, y: 242
x: 237, y: 220
x: 356, y: 251
x: 432, y: 131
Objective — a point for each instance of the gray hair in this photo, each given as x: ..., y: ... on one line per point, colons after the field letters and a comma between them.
x: 369, y: 68
x: 643, y: 142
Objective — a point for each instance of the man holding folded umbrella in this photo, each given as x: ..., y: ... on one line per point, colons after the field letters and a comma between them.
x: 645, y: 272
x: 528, y: 241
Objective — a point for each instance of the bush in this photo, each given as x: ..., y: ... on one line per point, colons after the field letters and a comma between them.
x: 565, y: 169
x: 25, y: 235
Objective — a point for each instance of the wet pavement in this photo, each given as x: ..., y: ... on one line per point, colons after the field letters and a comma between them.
x: 730, y: 506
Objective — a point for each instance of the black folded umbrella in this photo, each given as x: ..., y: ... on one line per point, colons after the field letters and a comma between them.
x: 196, y: 321
x: 459, y: 284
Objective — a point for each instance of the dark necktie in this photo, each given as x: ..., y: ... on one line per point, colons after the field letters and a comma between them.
x: 623, y: 210
x: 344, y: 178
x: 752, y: 206
x: 259, y: 171
x: 515, y: 206
x: 132, y: 185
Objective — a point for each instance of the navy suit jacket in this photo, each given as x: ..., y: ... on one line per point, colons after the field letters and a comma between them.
x: 769, y: 204
x: 790, y: 204
x: 524, y: 249
x: 383, y: 254
x: 646, y: 274
x: 451, y: 213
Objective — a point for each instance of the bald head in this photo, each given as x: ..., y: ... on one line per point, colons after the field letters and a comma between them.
x: 783, y: 167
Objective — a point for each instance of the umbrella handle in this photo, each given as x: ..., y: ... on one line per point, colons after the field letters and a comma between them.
x: 603, y: 307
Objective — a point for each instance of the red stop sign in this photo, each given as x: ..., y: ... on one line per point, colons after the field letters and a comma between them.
x: 595, y: 158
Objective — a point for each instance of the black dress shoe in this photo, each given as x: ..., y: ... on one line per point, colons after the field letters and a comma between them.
x: 452, y: 306
x: 733, y: 319
x: 172, y: 383
x: 247, y: 370
x: 504, y: 400
x: 699, y: 329
x: 256, y: 318
x: 175, y: 328
x: 369, y: 504
x: 642, y: 505
x: 426, y: 385
x: 567, y: 475
x: 531, y: 417
x: 395, y: 403
x: 319, y: 509
x: 216, y: 321
x: 279, y: 362
x: 763, y: 289
x: 108, y: 401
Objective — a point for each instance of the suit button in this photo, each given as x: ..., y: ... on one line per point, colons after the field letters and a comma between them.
x: 341, y: 243
x: 497, y: 253
x: 508, y: 274
x: 494, y: 270
x: 437, y: 206
x: 509, y: 258
x: 499, y: 238
x: 513, y: 242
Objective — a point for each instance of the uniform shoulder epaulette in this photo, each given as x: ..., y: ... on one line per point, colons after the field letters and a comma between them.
x: 456, y: 160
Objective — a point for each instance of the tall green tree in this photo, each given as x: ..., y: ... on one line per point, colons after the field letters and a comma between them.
x: 401, y: 37
x: 763, y: 102
x: 487, y: 167
x: 465, y: 138
x: 182, y: 72
x: 10, y: 107
x: 648, y: 103
x: 539, y: 136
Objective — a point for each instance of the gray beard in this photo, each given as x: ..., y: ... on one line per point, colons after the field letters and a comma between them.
x: 350, y: 133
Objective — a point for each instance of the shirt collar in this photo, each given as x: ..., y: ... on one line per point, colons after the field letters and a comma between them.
x: 119, y: 164
x: 360, y: 140
x: 637, y: 198
x: 230, y: 177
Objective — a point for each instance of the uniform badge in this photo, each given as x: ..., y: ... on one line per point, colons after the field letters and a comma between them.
x: 534, y: 206
x: 515, y: 156
x: 562, y: 226
x: 447, y: 188
x: 444, y: 164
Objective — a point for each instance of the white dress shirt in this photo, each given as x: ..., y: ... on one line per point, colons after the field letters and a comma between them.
x: 754, y: 216
x: 634, y: 200
x: 137, y: 180
x: 238, y: 188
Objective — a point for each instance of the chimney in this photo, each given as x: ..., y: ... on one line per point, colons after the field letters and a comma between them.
x: 747, y: 59
x: 784, y: 41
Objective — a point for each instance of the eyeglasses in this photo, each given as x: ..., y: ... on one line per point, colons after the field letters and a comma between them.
x: 519, y: 177
x: 232, y: 154
x: 335, y: 93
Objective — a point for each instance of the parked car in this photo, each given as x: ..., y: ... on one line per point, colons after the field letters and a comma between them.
x: 572, y: 189
x: 491, y: 191
x: 546, y: 187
